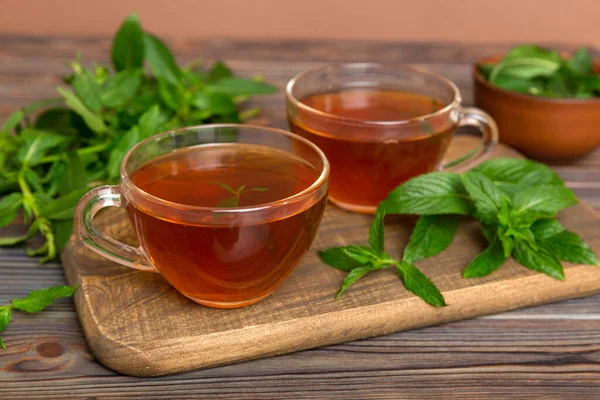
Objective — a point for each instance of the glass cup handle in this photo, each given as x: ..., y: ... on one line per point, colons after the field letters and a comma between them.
x: 95, y: 200
x: 471, y: 116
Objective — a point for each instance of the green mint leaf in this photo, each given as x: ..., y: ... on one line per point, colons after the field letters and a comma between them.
x: 488, y: 231
x: 239, y: 190
x: 432, y: 235
x: 15, y: 119
x: 556, y: 86
x: 581, y: 62
x: 226, y: 187
x: 487, y: 197
x: 416, y: 282
x: 485, y: 70
x: 93, y: 121
x: 39, y: 299
x: 63, y: 208
x: 232, y: 118
x: 352, y: 277
x: 518, y: 171
x: 522, y: 234
x: 216, y: 103
x: 507, y: 242
x: 12, y: 121
x: 36, y: 143
x: 192, y: 79
x: 127, y: 141
x: 229, y: 202
x: 238, y: 86
x: 568, y: 246
x: 60, y: 120
x: 486, y: 262
x: 88, y: 90
x: 62, y: 233
x: 151, y: 121
x: 257, y: 189
x: 360, y: 254
x: 542, y: 201
x: 540, y: 259
x: 218, y: 71
x: 9, y: 207
x: 5, y: 317
x: 161, y: 61
x: 11, y: 241
x: 33, y: 179
x: 376, y: 239
x: 169, y: 94
x: 430, y: 194
x: 121, y: 88
x: 527, y: 62
x: 74, y: 176
x: 545, y: 228
x: 521, y: 85
x: 338, y: 258
x: 128, y: 45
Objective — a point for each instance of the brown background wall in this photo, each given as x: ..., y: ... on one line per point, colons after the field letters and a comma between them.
x: 572, y: 21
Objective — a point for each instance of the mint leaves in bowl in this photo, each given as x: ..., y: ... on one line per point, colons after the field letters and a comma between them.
x: 546, y: 103
x: 544, y: 72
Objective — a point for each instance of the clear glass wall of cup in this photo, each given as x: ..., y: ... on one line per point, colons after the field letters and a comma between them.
x: 219, y: 256
x: 369, y: 158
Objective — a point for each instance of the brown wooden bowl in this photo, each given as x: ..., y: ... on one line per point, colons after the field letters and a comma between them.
x: 540, y: 127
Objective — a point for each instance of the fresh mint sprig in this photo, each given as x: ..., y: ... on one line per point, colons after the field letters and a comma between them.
x: 516, y: 202
x: 35, y: 301
x: 360, y: 260
x: 234, y: 200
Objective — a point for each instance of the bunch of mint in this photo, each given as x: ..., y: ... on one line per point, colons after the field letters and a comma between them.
x: 516, y: 202
x: 54, y: 150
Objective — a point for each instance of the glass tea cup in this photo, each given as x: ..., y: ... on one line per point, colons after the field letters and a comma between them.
x: 233, y: 249
x: 380, y: 125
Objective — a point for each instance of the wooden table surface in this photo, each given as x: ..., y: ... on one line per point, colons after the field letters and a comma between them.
x: 545, y: 352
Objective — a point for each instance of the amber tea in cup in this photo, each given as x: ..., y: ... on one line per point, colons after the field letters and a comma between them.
x: 224, y: 213
x: 380, y: 126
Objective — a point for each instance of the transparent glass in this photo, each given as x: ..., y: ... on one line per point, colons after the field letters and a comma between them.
x: 371, y: 157
x: 206, y: 252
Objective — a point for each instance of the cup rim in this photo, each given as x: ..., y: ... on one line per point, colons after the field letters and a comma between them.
x: 314, y: 187
x: 456, y: 101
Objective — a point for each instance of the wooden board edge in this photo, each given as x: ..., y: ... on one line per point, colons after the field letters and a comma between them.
x: 141, y: 359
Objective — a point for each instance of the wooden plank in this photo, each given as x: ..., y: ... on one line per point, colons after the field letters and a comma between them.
x: 564, y: 364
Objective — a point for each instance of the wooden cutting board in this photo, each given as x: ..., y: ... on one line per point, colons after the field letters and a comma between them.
x: 136, y: 324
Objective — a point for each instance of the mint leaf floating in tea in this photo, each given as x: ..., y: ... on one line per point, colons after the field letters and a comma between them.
x: 543, y: 72
x: 52, y: 150
x: 234, y: 200
x: 35, y: 301
x: 360, y: 260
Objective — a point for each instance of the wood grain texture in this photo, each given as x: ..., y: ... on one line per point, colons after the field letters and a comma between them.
x: 545, y: 352
x: 136, y: 324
